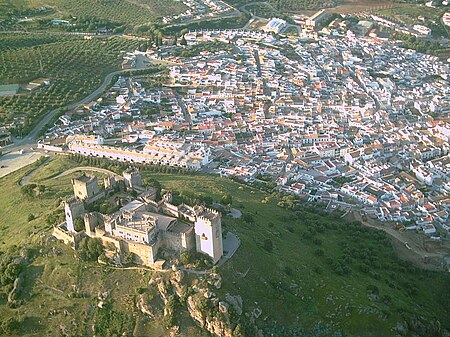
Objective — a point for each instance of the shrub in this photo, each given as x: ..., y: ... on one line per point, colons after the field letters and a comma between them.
x: 10, y: 325
x: 78, y: 224
x: 319, y: 252
x: 268, y: 245
x: 90, y: 249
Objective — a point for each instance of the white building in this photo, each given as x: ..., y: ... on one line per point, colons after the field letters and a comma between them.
x: 275, y: 25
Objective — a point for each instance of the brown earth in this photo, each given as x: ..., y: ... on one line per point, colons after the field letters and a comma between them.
x: 422, y: 252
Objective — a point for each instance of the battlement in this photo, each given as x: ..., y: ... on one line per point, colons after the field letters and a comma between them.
x: 72, y: 201
x: 206, y: 214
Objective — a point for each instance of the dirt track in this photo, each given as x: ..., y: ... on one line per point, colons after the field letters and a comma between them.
x: 417, y: 252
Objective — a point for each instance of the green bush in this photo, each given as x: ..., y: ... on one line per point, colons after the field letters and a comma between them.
x: 90, y: 249
x: 268, y: 245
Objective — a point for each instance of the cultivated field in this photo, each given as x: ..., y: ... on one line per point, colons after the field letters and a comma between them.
x: 128, y: 12
x: 74, y: 66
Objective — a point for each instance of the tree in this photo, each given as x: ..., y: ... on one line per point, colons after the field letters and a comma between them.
x: 183, y: 41
x: 28, y: 190
x: 268, y: 245
x: 226, y: 200
x: 185, y: 258
x: 90, y: 249
x: 78, y: 224
x: 128, y: 258
x: 10, y: 325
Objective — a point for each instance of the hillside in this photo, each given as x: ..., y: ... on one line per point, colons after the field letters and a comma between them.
x: 303, y: 270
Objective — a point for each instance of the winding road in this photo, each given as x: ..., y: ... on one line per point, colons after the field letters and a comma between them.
x: 33, y: 135
x: 17, y: 155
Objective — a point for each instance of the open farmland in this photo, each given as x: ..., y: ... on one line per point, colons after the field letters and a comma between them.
x: 74, y: 66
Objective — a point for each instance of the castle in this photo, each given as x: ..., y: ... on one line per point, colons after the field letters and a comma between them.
x: 143, y: 226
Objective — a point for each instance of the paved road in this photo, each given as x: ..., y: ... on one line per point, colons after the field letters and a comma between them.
x: 28, y: 141
x: 231, y: 244
x: 13, y: 160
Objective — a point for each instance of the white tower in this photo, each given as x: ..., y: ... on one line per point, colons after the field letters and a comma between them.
x: 73, y: 208
x: 208, y: 233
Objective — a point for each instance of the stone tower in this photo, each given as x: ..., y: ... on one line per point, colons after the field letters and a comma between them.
x: 85, y: 187
x: 132, y: 178
x: 91, y: 220
x: 208, y: 233
x: 73, y: 208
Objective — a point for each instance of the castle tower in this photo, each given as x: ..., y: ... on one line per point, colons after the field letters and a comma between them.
x: 85, y: 187
x: 132, y: 178
x: 208, y: 233
x: 91, y: 220
x: 110, y: 182
x: 73, y: 209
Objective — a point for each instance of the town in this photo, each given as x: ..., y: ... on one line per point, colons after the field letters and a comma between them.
x: 345, y: 123
x: 226, y: 168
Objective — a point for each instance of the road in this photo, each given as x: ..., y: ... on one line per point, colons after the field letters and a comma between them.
x: 28, y: 141
x: 408, y: 249
x: 86, y: 168
x: 13, y: 159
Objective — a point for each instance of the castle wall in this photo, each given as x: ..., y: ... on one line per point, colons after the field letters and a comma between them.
x: 170, y: 209
x: 144, y: 254
x: 91, y: 220
x: 85, y: 190
x: 188, y: 240
x: 70, y: 239
x: 96, y: 197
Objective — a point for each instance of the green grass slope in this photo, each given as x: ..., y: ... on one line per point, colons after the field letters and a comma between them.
x: 321, y: 270
x: 308, y: 271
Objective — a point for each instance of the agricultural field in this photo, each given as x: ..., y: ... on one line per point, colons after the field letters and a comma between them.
x: 263, y: 10
x: 302, y: 267
x: 418, y: 15
x: 335, y: 6
x: 121, y: 12
x: 74, y: 66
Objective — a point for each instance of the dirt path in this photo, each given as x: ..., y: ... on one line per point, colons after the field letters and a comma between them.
x: 86, y: 168
x: 407, y: 245
x: 25, y: 180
